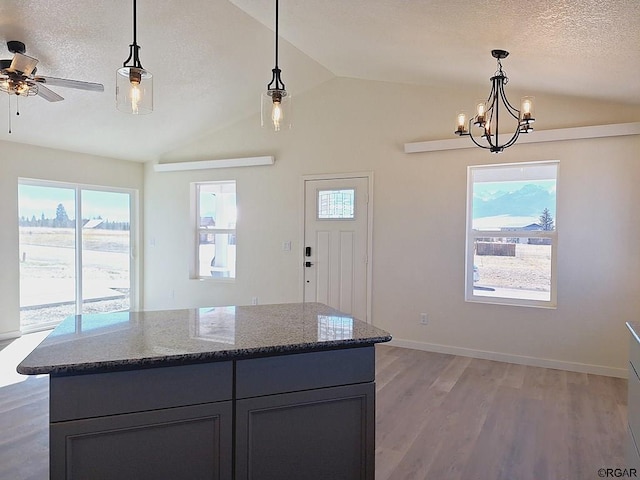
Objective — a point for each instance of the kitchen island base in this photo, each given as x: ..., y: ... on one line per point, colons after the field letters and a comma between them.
x: 308, y: 415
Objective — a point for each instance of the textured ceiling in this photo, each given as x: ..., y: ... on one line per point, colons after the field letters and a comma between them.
x: 211, y: 59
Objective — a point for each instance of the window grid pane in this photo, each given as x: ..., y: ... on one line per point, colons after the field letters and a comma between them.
x: 336, y: 204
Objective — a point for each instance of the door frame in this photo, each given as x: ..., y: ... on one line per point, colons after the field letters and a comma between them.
x: 340, y: 176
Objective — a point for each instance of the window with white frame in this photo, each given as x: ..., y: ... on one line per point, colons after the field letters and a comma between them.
x: 512, y: 234
x: 215, y: 208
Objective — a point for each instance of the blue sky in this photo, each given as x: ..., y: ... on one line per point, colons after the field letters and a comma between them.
x: 36, y: 200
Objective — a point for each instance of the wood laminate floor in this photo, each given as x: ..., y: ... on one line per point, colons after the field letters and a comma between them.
x: 448, y: 417
x: 439, y: 417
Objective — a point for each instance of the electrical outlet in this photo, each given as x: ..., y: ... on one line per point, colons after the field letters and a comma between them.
x: 254, y: 300
x: 423, y: 319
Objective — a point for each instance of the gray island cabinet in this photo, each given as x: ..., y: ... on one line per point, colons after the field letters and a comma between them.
x: 258, y: 392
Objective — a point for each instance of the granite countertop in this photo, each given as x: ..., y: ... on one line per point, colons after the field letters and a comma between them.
x: 132, y: 340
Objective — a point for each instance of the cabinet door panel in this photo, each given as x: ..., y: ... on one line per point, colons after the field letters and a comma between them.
x: 318, y: 434
x: 190, y: 442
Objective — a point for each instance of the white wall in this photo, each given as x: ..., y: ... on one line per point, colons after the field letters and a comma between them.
x: 28, y: 161
x: 349, y: 125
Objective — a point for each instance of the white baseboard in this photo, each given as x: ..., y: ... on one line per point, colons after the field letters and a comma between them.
x: 509, y: 358
x: 10, y: 335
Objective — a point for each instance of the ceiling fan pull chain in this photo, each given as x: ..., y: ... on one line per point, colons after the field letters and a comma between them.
x: 17, y: 105
x: 9, y: 107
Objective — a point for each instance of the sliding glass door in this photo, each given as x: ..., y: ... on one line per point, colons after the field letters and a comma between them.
x: 76, y: 249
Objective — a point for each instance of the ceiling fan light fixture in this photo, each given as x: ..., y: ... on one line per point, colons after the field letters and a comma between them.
x: 134, y: 84
x: 275, y: 107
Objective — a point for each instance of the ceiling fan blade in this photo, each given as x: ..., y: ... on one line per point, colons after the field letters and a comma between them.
x: 49, y: 95
x: 63, y: 82
x: 23, y: 63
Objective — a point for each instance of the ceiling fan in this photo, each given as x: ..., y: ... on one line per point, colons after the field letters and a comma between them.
x: 18, y: 77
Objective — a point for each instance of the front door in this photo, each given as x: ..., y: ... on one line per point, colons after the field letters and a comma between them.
x: 336, y: 243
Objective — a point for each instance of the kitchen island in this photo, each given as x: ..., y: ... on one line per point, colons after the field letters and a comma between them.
x: 257, y: 392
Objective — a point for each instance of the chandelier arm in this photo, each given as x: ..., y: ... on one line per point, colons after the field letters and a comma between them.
x: 512, y: 140
x: 490, y: 98
x: 514, y: 112
x: 474, y: 140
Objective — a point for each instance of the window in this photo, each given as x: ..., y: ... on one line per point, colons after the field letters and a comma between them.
x: 512, y: 234
x: 76, y: 246
x: 336, y: 204
x: 215, y: 230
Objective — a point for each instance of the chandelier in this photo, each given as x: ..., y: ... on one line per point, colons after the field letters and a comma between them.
x: 275, y: 108
x: 488, y: 112
x: 134, y: 84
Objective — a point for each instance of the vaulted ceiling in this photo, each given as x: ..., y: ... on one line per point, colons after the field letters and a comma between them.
x: 211, y: 59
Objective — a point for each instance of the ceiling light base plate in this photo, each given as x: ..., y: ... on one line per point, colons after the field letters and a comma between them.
x: 500, y: 54
x: 15, y: 46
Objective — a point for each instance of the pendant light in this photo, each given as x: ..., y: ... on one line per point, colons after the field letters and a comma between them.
x: 134, y: 84
x: 488, y: 114
x: 275, y: 110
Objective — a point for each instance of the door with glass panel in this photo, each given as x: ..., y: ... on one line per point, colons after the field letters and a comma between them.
x: 336, y: 244
x: 75, y: 252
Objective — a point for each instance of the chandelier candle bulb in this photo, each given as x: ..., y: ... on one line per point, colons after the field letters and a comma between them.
x: 481, y: 110
x: 461, y: 127
x: 527, y: 109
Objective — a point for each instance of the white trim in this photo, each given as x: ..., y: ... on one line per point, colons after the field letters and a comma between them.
x: 340, y: 176
x: 510, y: 358
x: 556, y: 135
x: 10, y: 335
x: 206, y: 164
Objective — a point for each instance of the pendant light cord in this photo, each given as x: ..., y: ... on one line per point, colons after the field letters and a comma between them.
x: 134, y: 56
x: 276, y: 84
x: 134, y: 23
x: 276, y: 33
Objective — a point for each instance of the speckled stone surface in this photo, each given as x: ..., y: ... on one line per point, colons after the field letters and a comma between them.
x: 133, y: 340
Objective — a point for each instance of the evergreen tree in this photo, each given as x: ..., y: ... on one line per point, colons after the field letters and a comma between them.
x: 546, y: 220
x: 62, y: 219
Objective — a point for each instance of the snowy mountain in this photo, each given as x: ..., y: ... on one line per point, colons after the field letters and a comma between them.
x: 528, y: 201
